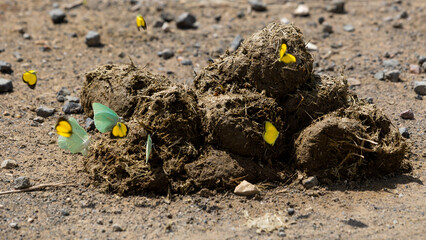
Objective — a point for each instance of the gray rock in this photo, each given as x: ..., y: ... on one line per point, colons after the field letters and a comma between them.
x: 93, y: 39
x: 257, y: 5
x: 45, y: 111
x: 418, y: 97
x: 397, y: 25
x: 60, y: 96
x: 72, y: 107
x: 9, y: 164
x: 241, y: 14
x: 370, y: 100
x: 2, y: 50
x: 290, y: 211
x: 5, y: 67
x: 327, y: 28
x: 379, y: 75
x: 65, y: 212
x: 392, y: 75
x: 38, y: 119
x: 90, y: 124
x: 310, y: 182
x: 26, y: 36
x: 14, y: 225
x: 100, y: 221
x: 422, y: 59
x: 407, y: 114
x: 21, y: 183
x: 336, y: 6
x: 236, y: 43
x: 5, y: 85
x: 390, y: 63
x: 57, y: 16
x: 403, y: 15
x: 185, y: 21
x: 18, y: 56
x: 404, y: 132
x: 117, y: 228
x: 166, y: 54
x: 72, y: 99
x: 424, y: 67
x: 167, y: 17
x: 420, y: 87
x: 186, y: 62
x: 158, y: 24
x: 348, y: 28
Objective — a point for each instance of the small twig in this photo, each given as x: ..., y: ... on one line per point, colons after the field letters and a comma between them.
x: 37, y: 187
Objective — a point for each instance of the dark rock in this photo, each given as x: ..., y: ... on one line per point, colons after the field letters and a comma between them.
x: 186, y: 62
x: 57, y: 16
x: 422, y: 59
x: 21, y: 183
x: 5, y: 67
x: 321, y: 20
x: 167, y: 17
x: 420, y: 87
x: 117, y: 228
x: 72, y: 99
x: 407, y: 114
x: 336, y: 6
x: 158, y: 24
x: 290, y: 211
x: 45, y: 111
x: 26, y: 36
x: 310, y: 182
x: 60, y: 96
x: 9, y: 164
x: 327, y: 28
x: 185, y: 21
x: 38, y: 119
x: 404, y: 132
x: 217, y: 18
x: 18, y: 56
x: 403, y: 15
x: 90, y: 124
x: 5, y: 85
x: 65, y: 212
x: 121, y: 55
x: 392, y: 75
x: 72, y: 108
x: 241, y: 14
x: 236, y: 43
x: 397, y: 25
x: 370, y: 100
x: 93, y: 39
x: 166, y: 54
x: 257, y: 5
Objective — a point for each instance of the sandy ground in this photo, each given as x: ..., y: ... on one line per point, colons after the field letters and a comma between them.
x: 387, y: 208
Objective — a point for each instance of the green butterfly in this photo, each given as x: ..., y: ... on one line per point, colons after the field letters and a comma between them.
x: 72, y: 136
x: 107, y: 120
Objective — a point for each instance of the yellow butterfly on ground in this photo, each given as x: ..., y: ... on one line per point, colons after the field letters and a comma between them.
x: 63, y: 127
x: 140, y: 22
x: 72, y: 136
x: 286, y: 57
x: 270, y: 134
x: 30, y: 78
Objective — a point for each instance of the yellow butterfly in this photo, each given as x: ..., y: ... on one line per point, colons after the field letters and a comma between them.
x: 270, y: 134
x: 119, y: 130
x: 286, y: 57
x: 63, y: 127
x: 30, y: 78
x: 140, y: 22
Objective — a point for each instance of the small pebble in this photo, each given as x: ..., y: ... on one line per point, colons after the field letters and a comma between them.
x: 241, y: 14
x: 121, y: 55
x: 246, y: 189
x: 65, y: 212
x: 407, y: 114
x: 18, y: 57
x: 26, y: 36
x: 90, y: 124
x: 100, y: 221
x: 392, y: 75
x: 14, y: 225
x: 93, y: 39
x: 327, y: 28
x: 397, y: 25
x: 72, y: 99
x: 403, y: 15
x: 370, y: 100
x: 186, y: 62
x: 348, y: 28
x: 424, y: 67
x: 57, y: 16
x: 72, y: 108
x: 404, y: 132
x: 166, y: 54
x: 217, y: 18
x: 302, y: 10
x: 310, y: 182
x: 166, y: 27
x: 420, y: 87
x: 321, y: 20
x: 311, y: 47
x: 45, y: 111
x: 9, y: 164
x: 379, y: 75
x: 5, y: 67
x: 158, y: 24
x: 185, y: 21
x: 284, y: 20
x: 422, y: 59
x: 414, y: 68
x: 353, y: 82
x: 290, y: 211
x: 236, y: 43
x: 60, y: 96
x: 21, y: 183
x: 167, y: 17
x: 257, y: 5
x: 418, y: 97
x: 390, y: 63
x: 5, y: 85
x: 116, y: 228
x: 30, y: 220
x: 336, y: 6
x: 38, y: 119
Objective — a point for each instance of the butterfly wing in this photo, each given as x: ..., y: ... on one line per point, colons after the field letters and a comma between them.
x: 283, y: 50
x: 148, y: 148
x: 63, y: 127
x: 79, y: 140
x: 30, y: 78
x: 140, y: 22
x: 288, y: 58
x: 105, y: 118
x: 119, y: 130
x: 271, y: 133
x: 62, y: 142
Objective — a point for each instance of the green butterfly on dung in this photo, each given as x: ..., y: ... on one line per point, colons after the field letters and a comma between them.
x: 74, y: 138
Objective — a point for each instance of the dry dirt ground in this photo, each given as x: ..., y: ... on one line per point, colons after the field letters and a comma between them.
x: 386, y: 208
